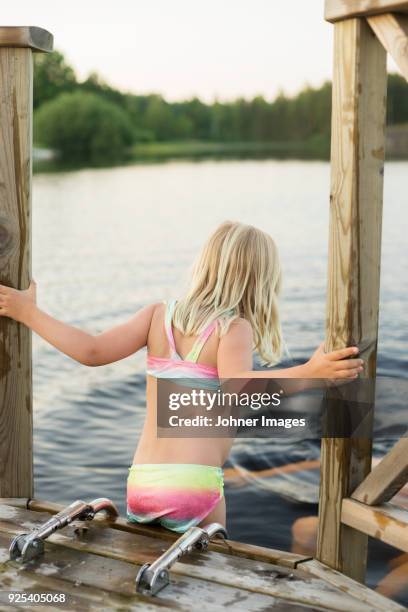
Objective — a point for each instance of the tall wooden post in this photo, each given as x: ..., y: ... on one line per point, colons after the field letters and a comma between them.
x: 16, y: 102
x: 357, y: 158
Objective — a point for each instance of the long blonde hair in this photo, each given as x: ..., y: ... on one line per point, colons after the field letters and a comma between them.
x: 237, y: 274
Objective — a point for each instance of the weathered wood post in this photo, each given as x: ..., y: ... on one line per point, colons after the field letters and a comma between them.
x: 358, y: 121
x: 357, y: 163
x: 357, y: 157
x: 16, y: 103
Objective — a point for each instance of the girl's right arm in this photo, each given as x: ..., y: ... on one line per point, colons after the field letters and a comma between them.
x: 107, y: 347
x: 234, y: 359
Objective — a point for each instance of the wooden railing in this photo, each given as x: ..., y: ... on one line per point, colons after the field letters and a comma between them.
x: 368, y: 509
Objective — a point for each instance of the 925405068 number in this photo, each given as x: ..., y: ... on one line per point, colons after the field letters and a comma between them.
x: 20, y: 597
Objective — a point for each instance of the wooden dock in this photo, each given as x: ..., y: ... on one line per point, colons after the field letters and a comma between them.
x: 95, y: 565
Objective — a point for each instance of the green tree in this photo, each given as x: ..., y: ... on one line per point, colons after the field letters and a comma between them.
x: 52, y: 76
x: 199, y: 116
x: 397, y: 99
x: 99, y: 121
x: 95, y: 84
x: 83, y: 127
x: 166, y: 121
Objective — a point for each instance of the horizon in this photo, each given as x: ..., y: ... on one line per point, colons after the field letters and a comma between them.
x: 248, y: 98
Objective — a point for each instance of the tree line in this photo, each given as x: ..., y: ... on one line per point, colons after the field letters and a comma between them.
x: 93, y: 122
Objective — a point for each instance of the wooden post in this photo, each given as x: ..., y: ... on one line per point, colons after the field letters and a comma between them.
x: 357, y: 158
x: 16, y: 89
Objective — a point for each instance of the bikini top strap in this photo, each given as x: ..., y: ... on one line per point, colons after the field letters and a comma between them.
x: 194, y: 354
x: 168, y: 326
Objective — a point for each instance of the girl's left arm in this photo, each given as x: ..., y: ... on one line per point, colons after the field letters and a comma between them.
x: 107, y: 347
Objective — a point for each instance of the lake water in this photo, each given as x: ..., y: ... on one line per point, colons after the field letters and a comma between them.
x: 107, y: 241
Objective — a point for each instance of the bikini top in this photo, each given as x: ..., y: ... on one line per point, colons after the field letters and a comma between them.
x: 176, y: 367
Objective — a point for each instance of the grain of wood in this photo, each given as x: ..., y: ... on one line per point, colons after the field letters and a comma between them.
x: 77, y: 599
x: 17, y: 502
x: 138, y: 550
x: 335, y: 10
x: 357, y: 158
x: 231, y: 547
x: 372, y: 599
x: 392, y: 31
x: 116, y: 577
x: 387, y: 522
x: 387, y: 478
x: 16, y: 105
x: 255, y: 585
x: 16, y: 81
x: 105, y: 555
x: 35, y: 38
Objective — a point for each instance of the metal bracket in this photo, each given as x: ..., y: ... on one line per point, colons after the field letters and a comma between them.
x: 153, y: 577
x: 27, y: 546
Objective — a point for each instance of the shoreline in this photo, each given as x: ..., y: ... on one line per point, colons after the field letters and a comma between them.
x: 159, y: 152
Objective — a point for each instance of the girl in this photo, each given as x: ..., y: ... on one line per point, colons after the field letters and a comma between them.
x: 229, y: 310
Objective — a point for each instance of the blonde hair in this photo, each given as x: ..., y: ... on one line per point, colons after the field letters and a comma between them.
x: 237, y: 274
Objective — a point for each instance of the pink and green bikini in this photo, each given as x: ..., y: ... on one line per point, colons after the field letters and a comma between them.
x: 176, y: 367
x: 177, y: 496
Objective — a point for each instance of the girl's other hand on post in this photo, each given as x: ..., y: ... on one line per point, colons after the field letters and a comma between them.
x: 334, y: 365
x: 16, y: 303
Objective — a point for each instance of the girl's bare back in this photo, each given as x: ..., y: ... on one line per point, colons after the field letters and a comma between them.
x: 153, y: 449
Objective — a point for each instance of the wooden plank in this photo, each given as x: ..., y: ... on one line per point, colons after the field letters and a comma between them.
x: 392, y: 30
x: 221, y: 582
x: 17, y: 502
x: 231, y: 547
x: 64, y: 572
x: 387, y: 478
x: 139, y: 549
x: 371, y: 598
x: 118, y: 577
x: 78, y: 598
x: 16, y: 82
x: 256, y: 577
x: 335, y: 10
x: 35, y: 38
x: 357, y: 156
x: 387, y: 522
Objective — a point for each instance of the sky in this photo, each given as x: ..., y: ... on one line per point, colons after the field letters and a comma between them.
x: 213, y: 49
